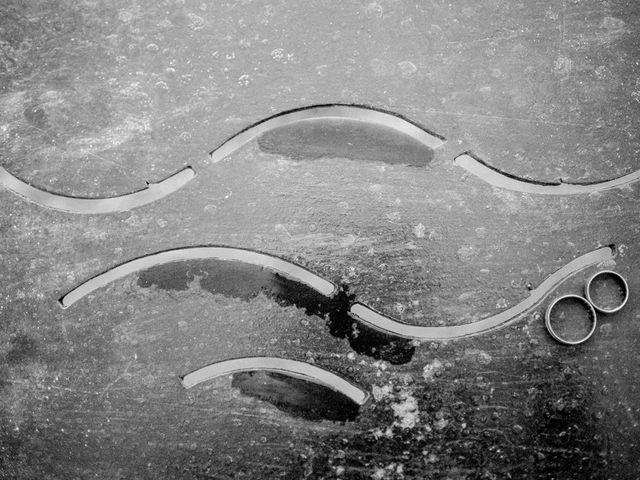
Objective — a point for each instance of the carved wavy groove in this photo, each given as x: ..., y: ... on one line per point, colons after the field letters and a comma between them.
x: 332, y: 111
x: 500, y: 179
x: 292, y: 368
x: 275, y: 264
x: 395, y: 327
x: 153, y: 192
x: 356, y: 310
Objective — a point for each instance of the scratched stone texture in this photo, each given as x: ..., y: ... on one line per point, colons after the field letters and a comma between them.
x: 98, y: 97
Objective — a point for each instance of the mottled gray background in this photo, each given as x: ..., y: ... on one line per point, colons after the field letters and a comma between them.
x: 98, y: 97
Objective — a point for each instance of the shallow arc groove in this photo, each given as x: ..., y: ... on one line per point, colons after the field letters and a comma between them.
x: 85, y: 205
x: 275, y: 264
x: 498, y: 178
x: 294, y: 368
x: 393, y: 326
x: 359, y: 113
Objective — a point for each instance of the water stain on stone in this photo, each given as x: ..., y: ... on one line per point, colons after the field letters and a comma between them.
x: 234, y: 279
x: 36, y: 116
x: 246, y: 281
x: 364, y: 339
x: 565, y: 411
x: 296, y: 397
x: 23, y: 347
x: 342, y: 138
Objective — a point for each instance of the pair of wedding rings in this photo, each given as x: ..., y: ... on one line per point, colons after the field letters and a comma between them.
x: 605, y: 292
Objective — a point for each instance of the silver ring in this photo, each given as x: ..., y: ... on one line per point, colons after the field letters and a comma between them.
x: 589, y: 311
x: 602, y: 275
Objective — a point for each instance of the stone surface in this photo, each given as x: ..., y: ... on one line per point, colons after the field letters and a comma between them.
x: 98, y: 97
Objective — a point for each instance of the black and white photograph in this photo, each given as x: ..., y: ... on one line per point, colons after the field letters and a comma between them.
x: 320, y: 240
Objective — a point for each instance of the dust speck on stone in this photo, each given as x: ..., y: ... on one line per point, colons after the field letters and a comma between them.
x: 431, y: 370
x: 407, y: 69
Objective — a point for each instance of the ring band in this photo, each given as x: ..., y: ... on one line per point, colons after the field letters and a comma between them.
x: 622, y: 284
x: 590, y: 310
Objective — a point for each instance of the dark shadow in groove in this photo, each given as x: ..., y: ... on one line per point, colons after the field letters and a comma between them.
x: 352, y: 112
x: 340, y: 138
x: 296, y: 397
x: 234, y: 279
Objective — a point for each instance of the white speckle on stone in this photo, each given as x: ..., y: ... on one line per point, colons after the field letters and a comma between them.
x: 161, y: 85
x: 419, y: 230
x: 125, y: 16
x: 601, y: 71
x: 280, y: 228
x: 440, y: 424
x: 478, y: 356
x: 393, y: 216
x: 429, y: 371
x: 407, y: 69
x: 380, y: 365
x: 278, y: 55
x: 378, y: 474
x: 612, y: 23
x: 347, y: 241
x: 322, y: 70
x: 195, y: 22
x: 374, y: 9
x: 466, y: 253
x: 563, y: 65
x: 380, y: 393
x: 133, y: 220
x: 406, y: 412
x: 244, y: 80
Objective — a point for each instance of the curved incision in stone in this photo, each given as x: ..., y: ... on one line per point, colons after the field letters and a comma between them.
x: 153, y: 192
x: 334, y: 111
x: 301, y: 370
x: 392, y: 326
x: 276, y: 265
x: 500, y: 179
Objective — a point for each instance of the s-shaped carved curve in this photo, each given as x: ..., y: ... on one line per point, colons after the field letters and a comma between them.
x: 64, y: 203
x: 332, y: 111
x: 275, y: 264
x: 293, y: 368
x: 395, y: 327
x: 500, y: 179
